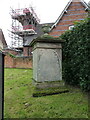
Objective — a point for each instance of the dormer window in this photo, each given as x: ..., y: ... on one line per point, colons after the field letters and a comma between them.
x: 86, y: 9
x: 71, y: 27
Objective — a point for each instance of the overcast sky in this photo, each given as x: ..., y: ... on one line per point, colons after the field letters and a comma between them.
x: 47, y: 11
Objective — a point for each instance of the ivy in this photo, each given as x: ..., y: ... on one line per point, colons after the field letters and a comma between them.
x: 76, y: 56
x: 11, y: 55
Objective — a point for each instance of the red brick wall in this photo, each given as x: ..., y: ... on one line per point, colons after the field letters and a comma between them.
x: 11, y: 51
x: 8, y: 61
x: 27, y: 51
x: 19, y: 62
x: 23, y: 62
x: 75, y: 12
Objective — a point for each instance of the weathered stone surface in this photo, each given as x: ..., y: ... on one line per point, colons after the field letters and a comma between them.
x: 45, y: 85
x: 47, y: 62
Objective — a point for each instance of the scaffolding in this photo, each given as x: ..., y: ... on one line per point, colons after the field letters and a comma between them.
x: 24, y: 22
x: 23, y: 12
x: 16, y: 41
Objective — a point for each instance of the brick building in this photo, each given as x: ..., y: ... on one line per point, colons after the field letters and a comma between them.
x: 3, y: 43
x: 74, y: 11
x: 31, y: 29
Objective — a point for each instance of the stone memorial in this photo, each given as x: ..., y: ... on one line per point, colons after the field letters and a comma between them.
x: 1, y: 85
x: 47, y: 61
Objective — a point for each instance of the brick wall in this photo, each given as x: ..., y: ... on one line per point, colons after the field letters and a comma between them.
x: 27, y: 51
x: 75, y: 12
x: 11, y: 51
x: 8, y: 61
x: 19, y: 62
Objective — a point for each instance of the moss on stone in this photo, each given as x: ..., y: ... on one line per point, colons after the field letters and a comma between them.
x: 49, y: 91
x: 49, y: 88
x: 48, y: 37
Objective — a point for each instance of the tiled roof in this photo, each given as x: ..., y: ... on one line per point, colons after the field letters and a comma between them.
x: 39, y: 33
x: 65, y: 10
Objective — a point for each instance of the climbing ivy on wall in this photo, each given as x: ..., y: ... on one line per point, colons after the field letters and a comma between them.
x: 76, y: 55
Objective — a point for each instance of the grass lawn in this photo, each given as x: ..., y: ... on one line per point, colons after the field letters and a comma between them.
x: 19, y: 103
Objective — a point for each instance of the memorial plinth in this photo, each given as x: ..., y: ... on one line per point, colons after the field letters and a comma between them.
x: 47, y: 62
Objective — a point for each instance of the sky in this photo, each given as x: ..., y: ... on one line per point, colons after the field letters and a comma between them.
x: 47, y: 10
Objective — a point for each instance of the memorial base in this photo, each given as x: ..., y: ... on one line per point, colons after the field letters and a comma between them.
x: 48, y: 84
x: 49, y: 88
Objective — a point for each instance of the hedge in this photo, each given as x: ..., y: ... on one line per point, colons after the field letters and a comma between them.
x: 76, y: 55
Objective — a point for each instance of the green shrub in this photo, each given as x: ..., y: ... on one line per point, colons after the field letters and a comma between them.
x: 76, y: 57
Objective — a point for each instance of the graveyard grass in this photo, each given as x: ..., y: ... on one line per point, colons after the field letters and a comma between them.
x: 19, y: 103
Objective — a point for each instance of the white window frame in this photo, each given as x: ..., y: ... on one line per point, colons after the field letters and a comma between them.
x: 71, y: 27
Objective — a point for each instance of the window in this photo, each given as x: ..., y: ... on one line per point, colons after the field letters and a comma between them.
x: 71, y: 27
